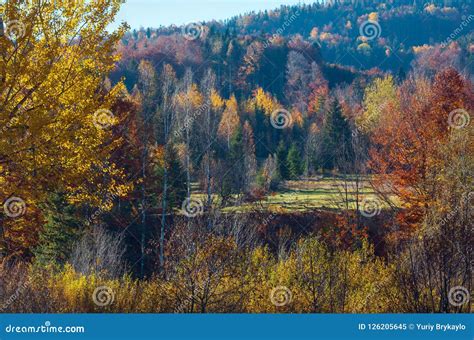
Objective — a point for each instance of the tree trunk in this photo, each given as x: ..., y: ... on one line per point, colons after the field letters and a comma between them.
x: 163, y: 218
x: 143, y: 213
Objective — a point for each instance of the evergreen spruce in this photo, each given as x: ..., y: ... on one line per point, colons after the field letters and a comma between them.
x: 336, y: 149
x: 261, y: 148
x: 281, y: 158
x: 294, y: 162
x: 176, y: 192
x: 59, y: 233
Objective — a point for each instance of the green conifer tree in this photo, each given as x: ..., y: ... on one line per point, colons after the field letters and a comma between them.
x: 60, y: 232
x: 336, y: 147
x: 176, y: 190
x: 294, y: 162
x: 281, y: 158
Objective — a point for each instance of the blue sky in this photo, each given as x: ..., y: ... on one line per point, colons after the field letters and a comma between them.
x: 153, y: 13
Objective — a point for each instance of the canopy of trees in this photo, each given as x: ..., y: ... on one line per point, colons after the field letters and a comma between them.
x: 146, y: 161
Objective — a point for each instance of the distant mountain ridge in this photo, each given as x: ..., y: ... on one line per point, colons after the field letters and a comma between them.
x: 330, y: 33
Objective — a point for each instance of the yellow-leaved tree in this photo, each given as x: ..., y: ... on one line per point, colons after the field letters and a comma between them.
x: 55, y: 113
x: 379, y: 97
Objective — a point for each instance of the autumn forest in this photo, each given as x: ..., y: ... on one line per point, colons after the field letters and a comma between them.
x: 305, y: 159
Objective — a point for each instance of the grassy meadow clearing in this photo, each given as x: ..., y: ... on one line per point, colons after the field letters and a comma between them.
x: 313, y: 193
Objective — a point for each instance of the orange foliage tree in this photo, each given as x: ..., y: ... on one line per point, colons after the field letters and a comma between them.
x: 407, y: 141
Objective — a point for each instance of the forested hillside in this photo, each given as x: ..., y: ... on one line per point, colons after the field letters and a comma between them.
x: 246, y: 48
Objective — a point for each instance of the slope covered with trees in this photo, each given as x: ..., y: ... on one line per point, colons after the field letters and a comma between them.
x: 147, y: 161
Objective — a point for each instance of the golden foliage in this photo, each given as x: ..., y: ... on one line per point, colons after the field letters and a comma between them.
x: 216, y: 101
x: 230, y: 119
x: 55, y: 108
x: 265, y: 101
x: 374, y: 16
x: 381, y: 96
x: 217, y: 276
